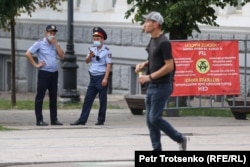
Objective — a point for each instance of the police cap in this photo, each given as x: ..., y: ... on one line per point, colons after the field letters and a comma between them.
x: 51, y: 28
x: 98, y: 31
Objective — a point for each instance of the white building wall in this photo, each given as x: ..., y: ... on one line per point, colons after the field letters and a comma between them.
x: 98, y: 11
x: 104, y: 11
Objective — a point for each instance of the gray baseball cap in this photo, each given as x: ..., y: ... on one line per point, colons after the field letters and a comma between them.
x: 156, y: 16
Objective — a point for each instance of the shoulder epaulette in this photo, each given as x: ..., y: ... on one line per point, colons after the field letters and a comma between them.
x: 41, y: 39
x: 106, y: 48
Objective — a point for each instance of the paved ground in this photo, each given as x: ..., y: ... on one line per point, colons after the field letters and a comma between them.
x: 110, y: 145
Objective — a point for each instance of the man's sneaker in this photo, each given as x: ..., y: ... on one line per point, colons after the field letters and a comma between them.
x: 183, y: 144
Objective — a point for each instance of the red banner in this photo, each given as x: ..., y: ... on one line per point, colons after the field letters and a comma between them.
x: 206, y: 68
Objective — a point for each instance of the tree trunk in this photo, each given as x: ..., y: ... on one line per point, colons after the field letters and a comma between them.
x: 13, y: 63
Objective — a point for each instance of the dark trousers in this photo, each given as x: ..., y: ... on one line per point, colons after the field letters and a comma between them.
x: 94, y: 88
x: 157, y: 96
x: 46, y: 80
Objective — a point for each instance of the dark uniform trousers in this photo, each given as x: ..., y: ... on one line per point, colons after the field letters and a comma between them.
x: 94, y: 88
x: 46, y: 80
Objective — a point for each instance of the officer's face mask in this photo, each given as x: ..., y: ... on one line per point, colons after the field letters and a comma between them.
x: 50, y: 37
x: 97, y: 43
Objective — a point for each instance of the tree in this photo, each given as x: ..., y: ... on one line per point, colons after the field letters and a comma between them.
x: 9, y: 10
x: 181, y: 16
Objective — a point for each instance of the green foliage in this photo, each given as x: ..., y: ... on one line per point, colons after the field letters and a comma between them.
x: 10, y: 9
x: 181, y: 16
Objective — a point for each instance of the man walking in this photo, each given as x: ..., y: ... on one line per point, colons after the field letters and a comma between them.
x: 160, y: 75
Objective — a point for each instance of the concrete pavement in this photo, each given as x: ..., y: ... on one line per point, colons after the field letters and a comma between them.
x: 110, y: 145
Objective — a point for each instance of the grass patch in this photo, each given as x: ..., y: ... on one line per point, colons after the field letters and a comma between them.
x: 213, y: 112
x: 20, y: 104
x: 2, y: 128
x: 207, y: 112
x: 29, y: 105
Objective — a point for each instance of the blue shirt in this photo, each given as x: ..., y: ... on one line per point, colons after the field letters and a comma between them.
x: 45, y: 52
x: 98, y: 66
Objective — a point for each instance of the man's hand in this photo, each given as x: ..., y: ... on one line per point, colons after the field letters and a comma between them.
x: 143, y: 79
x: 104, y: 82
x: 40, y: 64
x: 139, y: 67
x: 53, y: 40
x: 91, y: 53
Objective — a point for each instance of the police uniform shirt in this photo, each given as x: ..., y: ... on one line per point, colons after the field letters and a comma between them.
x: 98, y: 65
x: 45, y: 52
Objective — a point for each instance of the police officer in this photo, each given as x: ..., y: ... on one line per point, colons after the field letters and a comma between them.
x: 100, y: 57
x: 47, y: 50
